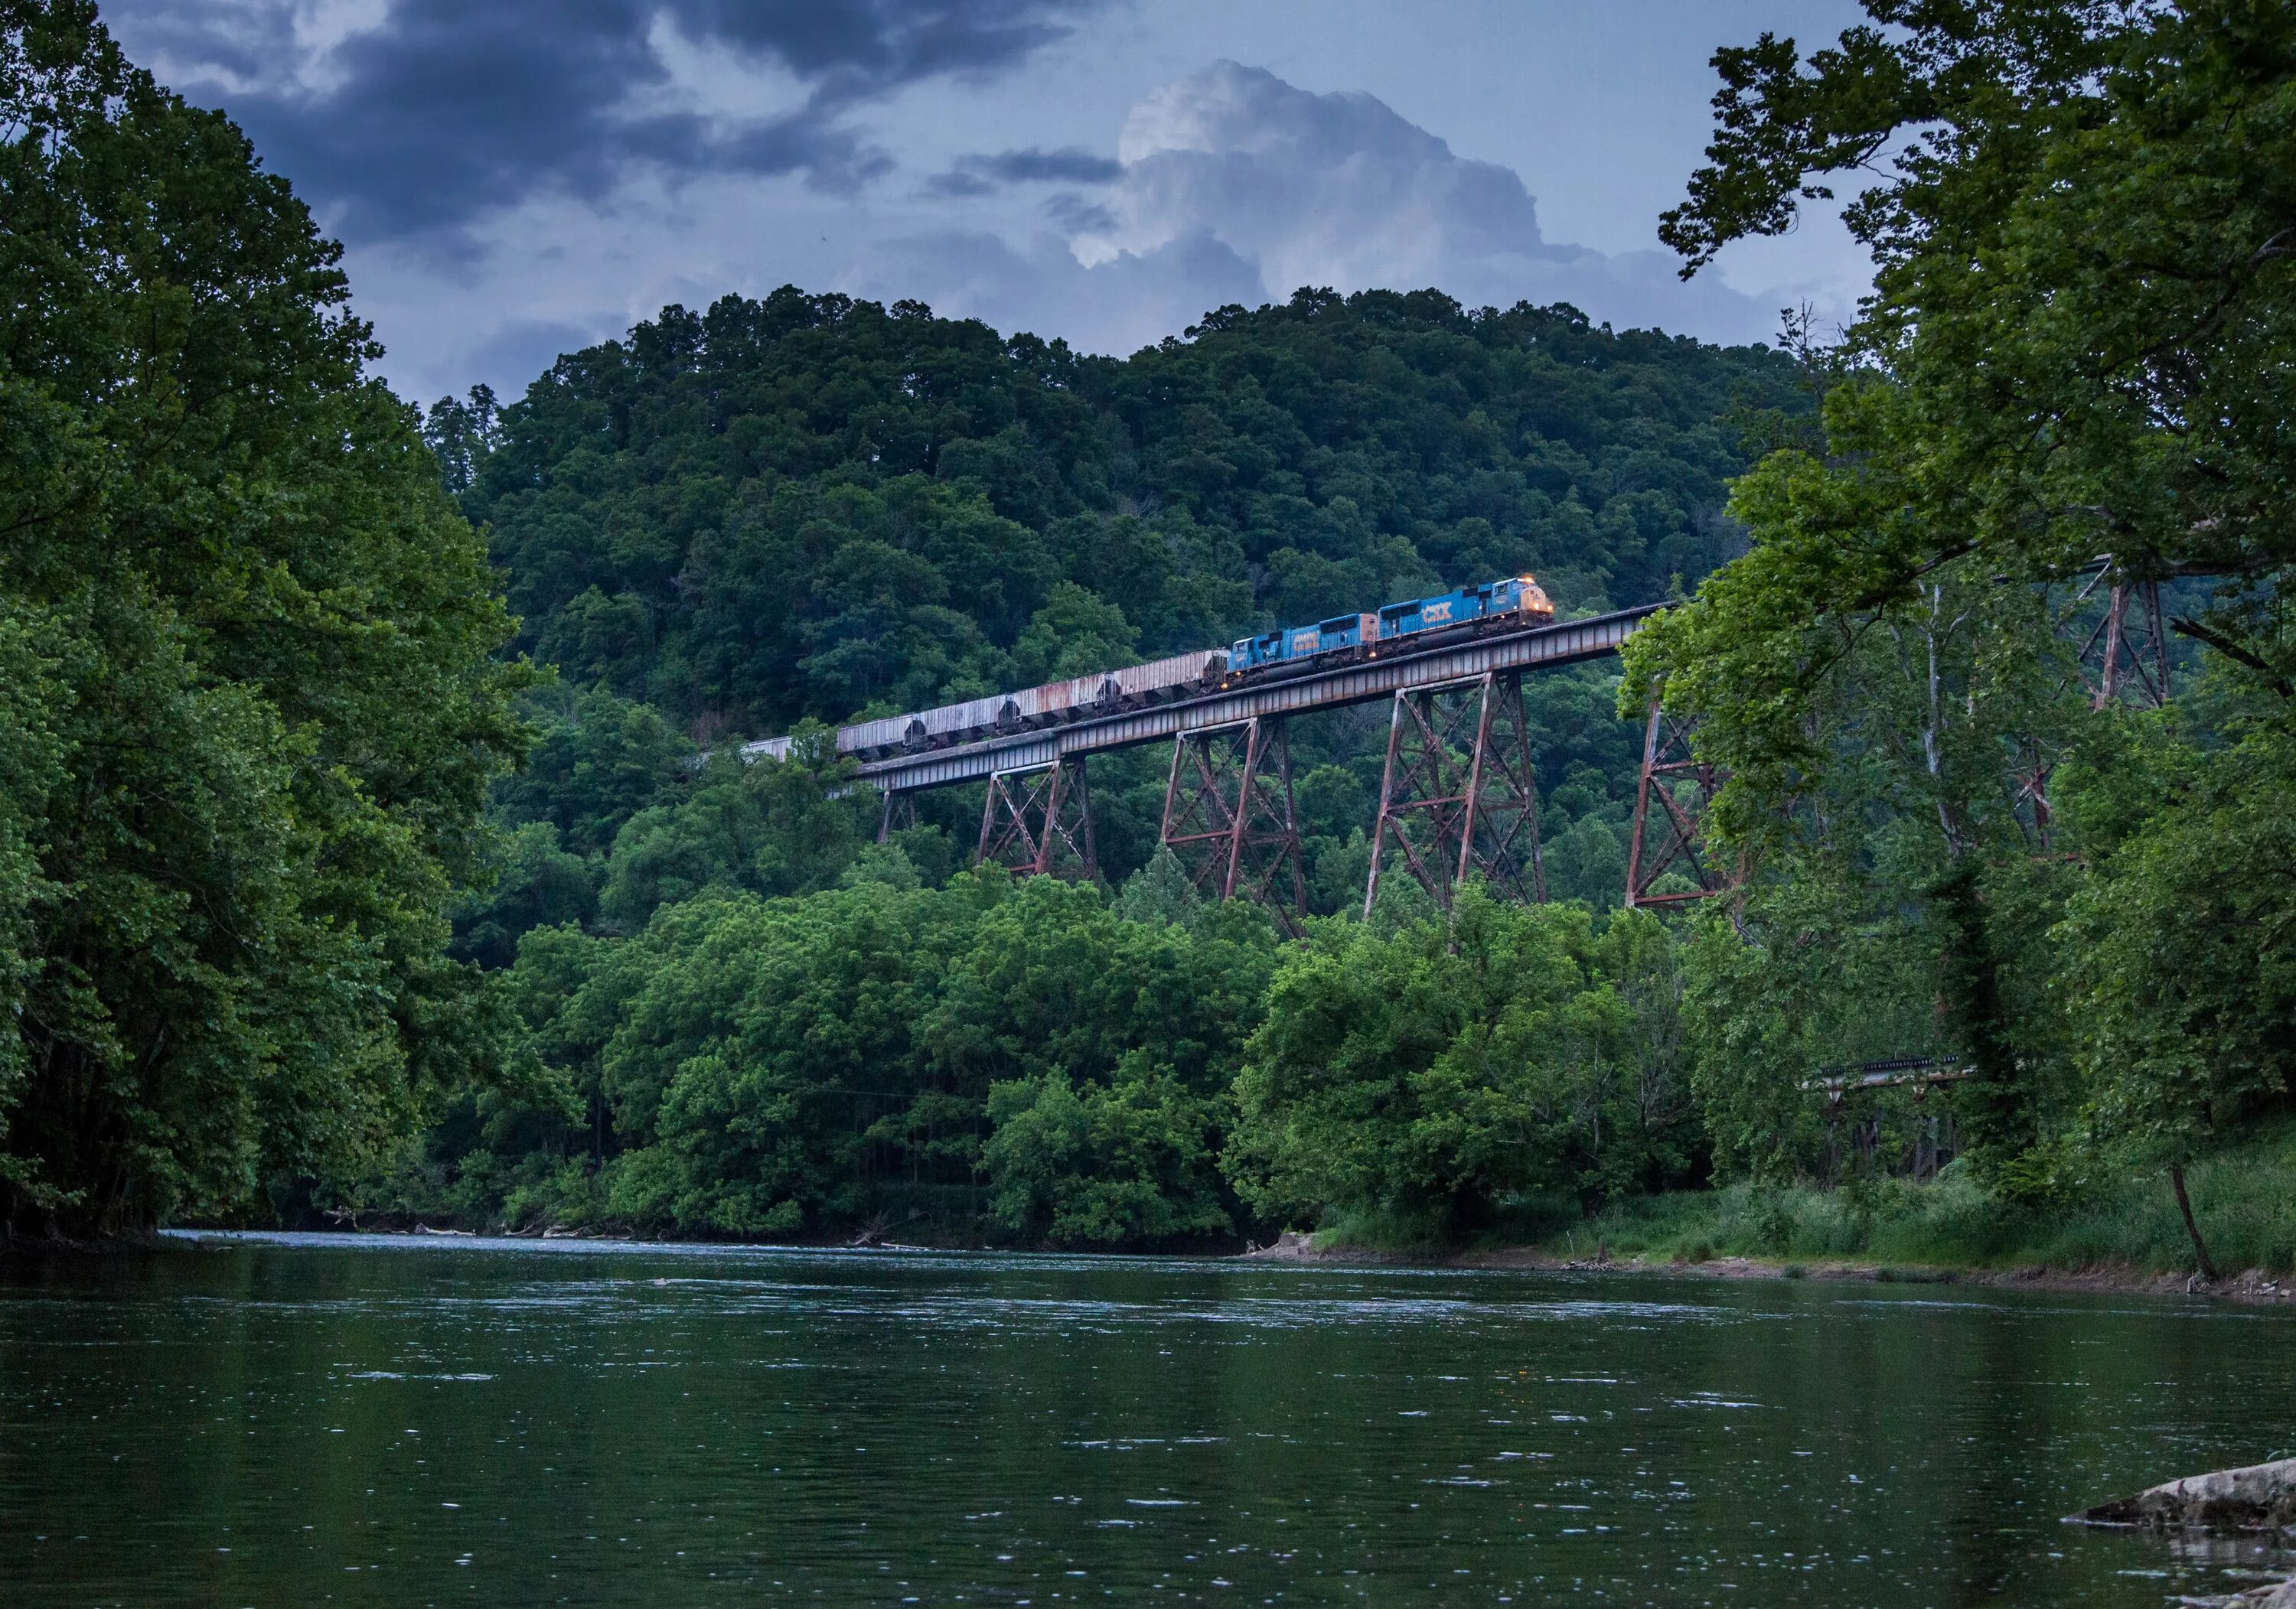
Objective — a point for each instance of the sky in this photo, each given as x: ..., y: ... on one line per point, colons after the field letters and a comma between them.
x: 513, y: 179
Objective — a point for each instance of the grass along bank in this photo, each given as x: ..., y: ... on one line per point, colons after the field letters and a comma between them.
x: 2244, y: 1198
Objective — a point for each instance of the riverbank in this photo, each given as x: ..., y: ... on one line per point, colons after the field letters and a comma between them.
x: 2253, y: 1286
x: 2123, y: 1233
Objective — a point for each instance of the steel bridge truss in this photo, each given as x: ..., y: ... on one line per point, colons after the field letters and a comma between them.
x: 900, y: 813
x: 1037, y: 821
x: 1672, y: 839
x: 2123, y: 659
x: 1228, y: 817
x: 1458, y: 795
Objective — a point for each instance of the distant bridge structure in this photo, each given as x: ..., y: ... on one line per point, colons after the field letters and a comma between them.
x: 1457, y: 796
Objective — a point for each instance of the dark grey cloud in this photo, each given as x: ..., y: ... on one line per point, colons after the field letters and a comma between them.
x: 983, y: 173
x: 408, y: 131
x: 1078, y: 215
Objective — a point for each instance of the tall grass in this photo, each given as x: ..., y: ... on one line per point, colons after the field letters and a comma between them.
x: 2244, y: 1198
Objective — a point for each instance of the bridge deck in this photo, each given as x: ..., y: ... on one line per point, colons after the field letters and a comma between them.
x: 1538, y: 648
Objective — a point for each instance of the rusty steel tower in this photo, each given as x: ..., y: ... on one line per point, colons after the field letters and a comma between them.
x: 1229, y: 816
x: 1458, y: 796
x: 1672, y: 838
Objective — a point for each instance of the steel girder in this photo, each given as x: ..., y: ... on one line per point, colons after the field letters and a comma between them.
x: 1037, y: 821
x: 1458, y: 795
x: 1229, y: 816
x: 1681, y: 786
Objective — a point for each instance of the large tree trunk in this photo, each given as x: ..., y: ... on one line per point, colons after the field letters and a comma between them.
x: 2001, y: 1117
x: 2184, y: 1205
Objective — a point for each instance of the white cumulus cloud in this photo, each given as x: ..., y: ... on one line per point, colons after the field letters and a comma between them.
x: 1235, y: 186
x: 1314, y: 189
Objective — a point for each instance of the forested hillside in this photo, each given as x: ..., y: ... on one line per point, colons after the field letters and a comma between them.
x: 809, y: 506
x: 808, y: 509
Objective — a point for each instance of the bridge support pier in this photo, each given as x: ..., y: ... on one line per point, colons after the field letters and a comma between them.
x: 1037, y: 821
x: 1229, y: 816
x: 1458, y: 769
x: 2126, y: 657
x: 1678, y: 843
x: 900, y: 813
x: 2123, y: 659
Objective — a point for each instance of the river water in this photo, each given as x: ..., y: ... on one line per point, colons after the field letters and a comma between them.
x: 296, y: 1420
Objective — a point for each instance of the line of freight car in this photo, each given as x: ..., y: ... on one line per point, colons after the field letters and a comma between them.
x: 1420, y: 620
x: 1280, y: 654
x: 1077, y: 697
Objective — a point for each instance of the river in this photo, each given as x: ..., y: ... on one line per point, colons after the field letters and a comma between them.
x: 297, y: 1421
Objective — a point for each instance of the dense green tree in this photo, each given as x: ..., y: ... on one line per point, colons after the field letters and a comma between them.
x: 597, y: 761
x: 2178, y: 951
x: 2077, y: 347
x: 537, y: 883
x: 784, y: 827
x: 1036, y: 1055
x: 251, y: 712
x: 1435, y: 1071
x: 460, y: 432
x: 1133, y: 1161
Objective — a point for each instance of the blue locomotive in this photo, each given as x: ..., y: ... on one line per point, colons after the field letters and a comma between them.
x: 1511, y: 599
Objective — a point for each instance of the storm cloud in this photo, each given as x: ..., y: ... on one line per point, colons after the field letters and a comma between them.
x: 520, y: 178
x: 984, y: 174
x: 405, y: 122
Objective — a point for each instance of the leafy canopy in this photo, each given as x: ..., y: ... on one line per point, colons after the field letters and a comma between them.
x: 2083, y: 222
x: 251, y: 711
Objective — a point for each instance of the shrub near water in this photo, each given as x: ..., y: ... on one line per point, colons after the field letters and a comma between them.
x: 1413, y: 1079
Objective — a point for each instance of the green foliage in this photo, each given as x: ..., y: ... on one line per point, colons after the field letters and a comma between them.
x: 790, y: 827
x: 2244, y: 1196
x: 2180, y: 952
x: 1034, y: 1056
x: 1436, y: 1073
x: 536, y: 883
x: 596, y: 762
x: 1130, y: 1162
x: 2085, y: 228
x: 2084, y: 305
x: 251, y: 714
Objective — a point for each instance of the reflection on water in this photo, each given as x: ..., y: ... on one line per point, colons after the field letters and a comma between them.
x: 306, y: 1419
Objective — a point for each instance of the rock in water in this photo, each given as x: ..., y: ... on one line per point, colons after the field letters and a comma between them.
x: 2262, y: 1497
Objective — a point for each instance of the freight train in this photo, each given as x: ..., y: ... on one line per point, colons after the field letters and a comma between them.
x: 1421, y: 622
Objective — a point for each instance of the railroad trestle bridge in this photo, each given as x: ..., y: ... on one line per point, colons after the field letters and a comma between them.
x: 1458, y: 796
